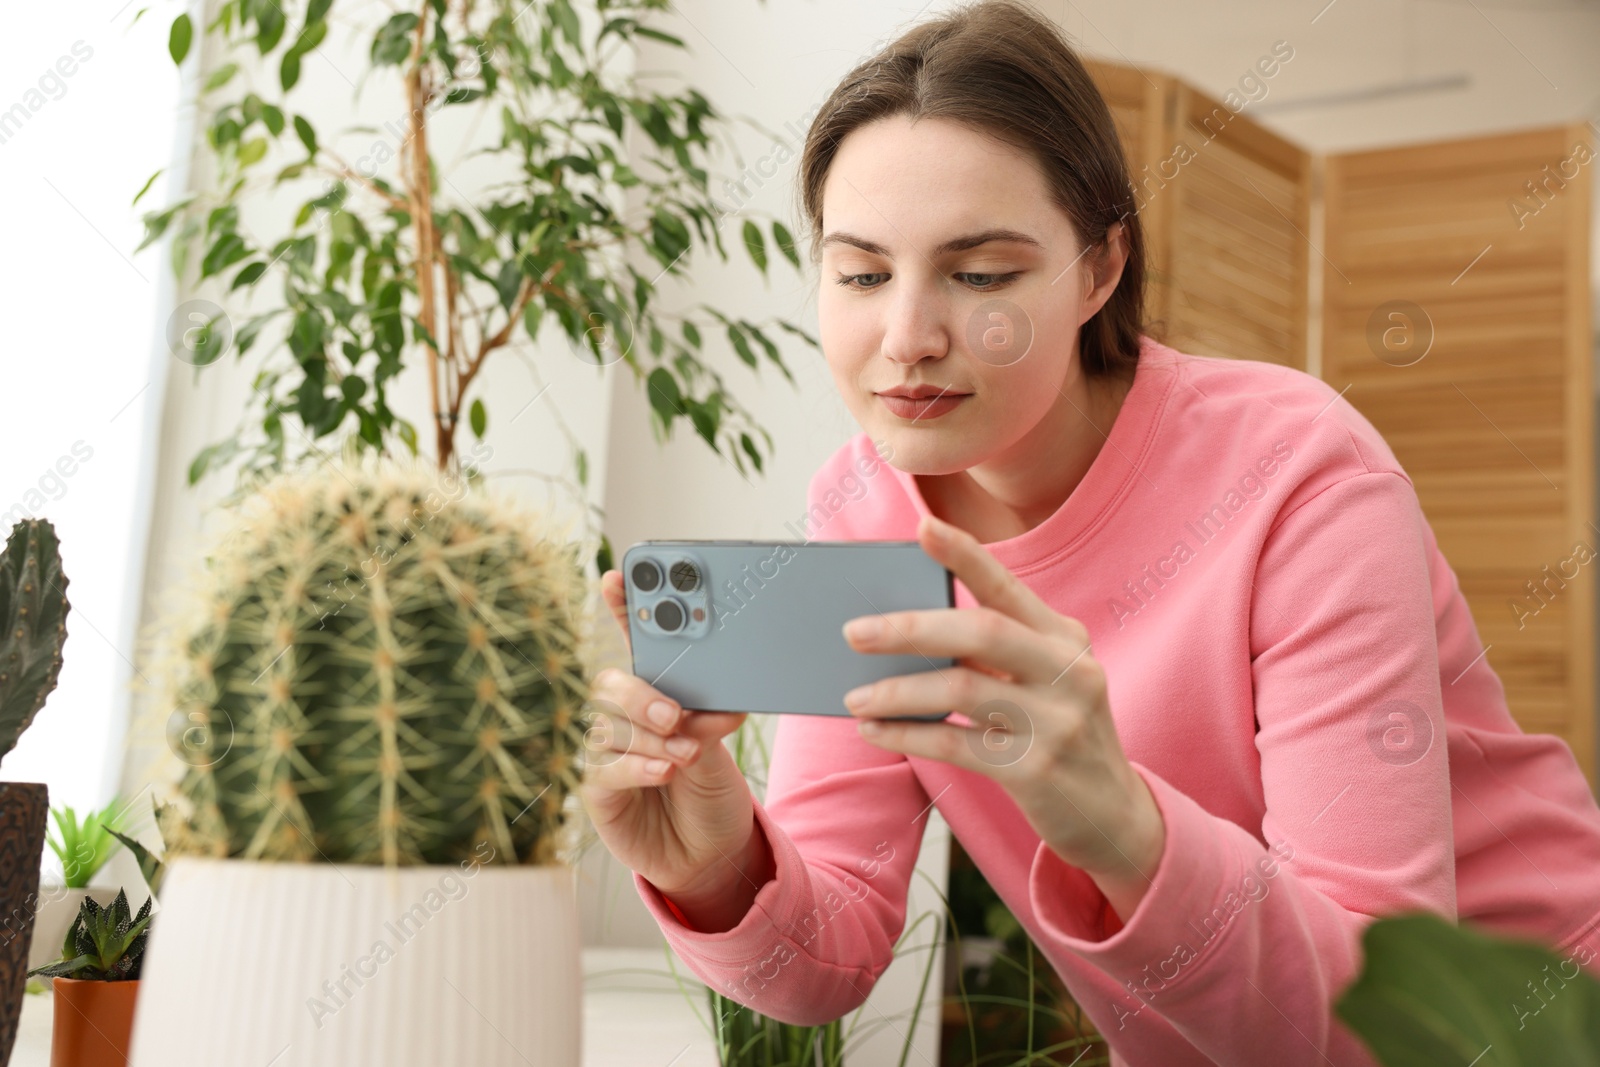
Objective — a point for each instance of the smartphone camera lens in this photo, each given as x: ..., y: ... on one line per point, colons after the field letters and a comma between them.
x: 646, y: 576
x: 685, y: 576
x: 669, y: 615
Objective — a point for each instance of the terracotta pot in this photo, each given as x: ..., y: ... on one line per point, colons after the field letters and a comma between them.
x: 92, y: 1022
x: 23, y: 809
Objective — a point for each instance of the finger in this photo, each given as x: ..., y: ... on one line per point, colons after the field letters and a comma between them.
x: 616, y: 598
x: 619, y: 695
x: 983, y: 635
x: 608, y: 738
x: 990, y: 583
x: 960, y: 689
x: 634, y: 770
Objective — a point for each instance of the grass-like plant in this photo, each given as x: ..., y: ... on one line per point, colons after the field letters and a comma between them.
x: 84, y: 847
x: 103, y: 944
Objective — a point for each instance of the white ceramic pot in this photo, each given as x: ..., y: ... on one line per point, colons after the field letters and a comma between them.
x: 323, y: 965
x: 57, y: 907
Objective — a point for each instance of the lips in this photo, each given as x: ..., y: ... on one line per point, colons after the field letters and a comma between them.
x: 920, y: 392
x: 931, y: 405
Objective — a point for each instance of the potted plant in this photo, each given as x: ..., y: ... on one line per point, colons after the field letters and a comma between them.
x: 33, y: 631
x: 96, y: 983
x: 83, y: 849
x: 382, y: 669
x: 390, y: 264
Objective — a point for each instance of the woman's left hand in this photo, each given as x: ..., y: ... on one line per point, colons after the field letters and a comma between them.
x: 1036, y: 696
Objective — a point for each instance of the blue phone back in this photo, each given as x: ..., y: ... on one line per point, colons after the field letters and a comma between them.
x: 768, y: 635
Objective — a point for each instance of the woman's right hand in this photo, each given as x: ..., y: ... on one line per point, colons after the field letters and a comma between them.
x: 665, y: 794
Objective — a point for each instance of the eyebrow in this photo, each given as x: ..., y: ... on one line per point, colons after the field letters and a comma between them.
x: 955, y: 244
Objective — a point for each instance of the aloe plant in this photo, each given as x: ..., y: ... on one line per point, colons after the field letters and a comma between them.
x: 84, y: 847
x: 385, y: 669
x: 33, y: 613
x: 103, y: 944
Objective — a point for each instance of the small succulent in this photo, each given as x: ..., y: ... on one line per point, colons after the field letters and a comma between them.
x: 103, y: 944
x: 84, y: 847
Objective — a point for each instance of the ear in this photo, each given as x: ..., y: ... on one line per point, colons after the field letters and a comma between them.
x: 1105, y: 270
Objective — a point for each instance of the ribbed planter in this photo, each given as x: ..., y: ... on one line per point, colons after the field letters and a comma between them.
x: 23, y: 808
x: 90, y: 1022
x: 346, y: 966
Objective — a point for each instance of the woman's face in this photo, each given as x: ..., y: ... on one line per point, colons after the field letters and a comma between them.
x: 911, y: 295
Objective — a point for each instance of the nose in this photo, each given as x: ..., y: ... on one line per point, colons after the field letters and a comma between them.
x: 915, y: 326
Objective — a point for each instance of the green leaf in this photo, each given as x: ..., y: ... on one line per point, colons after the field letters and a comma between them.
x: 756, y: 244
x: 391, y: 45
x: 749, y: 447
x: 646, y: 31
x: 151, y: 181
x: 1433, y: 992
x: 691, y: 333
x: 408, y: 434
x: 209, y: 457
x: 249, y: 275
x: 228, y: 250
x: 252, y: 151
x: 220, y: 77
x: 289, y: 70
x: 478, y: 418
x: 531, y: 314
x: 664, y: 395
x: 178, y: 39
x: 149, y: 865
x: 270, y: 24
x: 785, y: 242
x: 582, y: 459
x: 740, y: 345
x: 307, y: 135
x: 567, y: 20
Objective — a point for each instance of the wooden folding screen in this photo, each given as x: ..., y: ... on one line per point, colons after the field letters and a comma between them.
x: 1456, y: 311
x: 1226, y: 207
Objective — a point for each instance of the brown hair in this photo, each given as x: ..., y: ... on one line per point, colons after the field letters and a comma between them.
x: 1002, y: 69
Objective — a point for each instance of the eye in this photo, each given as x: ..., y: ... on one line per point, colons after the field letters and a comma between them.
x: 993, y: 281
x: 846, y: 280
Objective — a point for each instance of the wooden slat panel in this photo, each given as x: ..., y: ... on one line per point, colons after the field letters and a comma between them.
x: 1494, y: 423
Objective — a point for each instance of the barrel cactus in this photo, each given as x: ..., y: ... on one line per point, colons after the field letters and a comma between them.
x: 33, y: 609
x: 382, y: 666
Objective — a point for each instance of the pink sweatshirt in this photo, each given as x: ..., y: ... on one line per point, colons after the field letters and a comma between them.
x: 1293, y: 671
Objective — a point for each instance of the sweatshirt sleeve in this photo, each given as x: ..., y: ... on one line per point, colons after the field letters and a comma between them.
x: 844, y: 820
x: 1242, y: 946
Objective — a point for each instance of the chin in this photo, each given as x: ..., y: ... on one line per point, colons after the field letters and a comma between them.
x: 919, y: 452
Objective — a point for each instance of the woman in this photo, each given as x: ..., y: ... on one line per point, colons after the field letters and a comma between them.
x: 1220, y: 701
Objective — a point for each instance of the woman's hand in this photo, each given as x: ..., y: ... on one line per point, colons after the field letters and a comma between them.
x: 665, y: 794
x: 1041, y: 721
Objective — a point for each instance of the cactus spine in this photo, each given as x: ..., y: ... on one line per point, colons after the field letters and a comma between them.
x: 33, y: 608
x: 387, y: 670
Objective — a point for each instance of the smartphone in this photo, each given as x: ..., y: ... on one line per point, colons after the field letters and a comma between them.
x: 758, y: 625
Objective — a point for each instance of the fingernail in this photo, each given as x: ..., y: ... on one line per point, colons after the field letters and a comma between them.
x: 858, y: 698
x: 682, y: 747
x: 661, y: 713
x: 656, y: 766
x: 866, y: 628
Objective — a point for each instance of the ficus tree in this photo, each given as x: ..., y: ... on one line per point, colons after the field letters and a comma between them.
x: 387, y: 263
